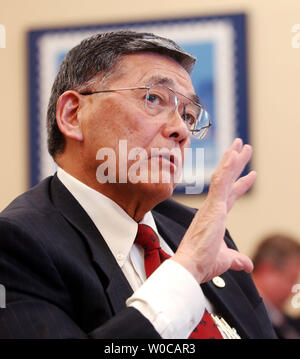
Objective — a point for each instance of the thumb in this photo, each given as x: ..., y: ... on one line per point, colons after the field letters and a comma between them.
x: 241, y: 262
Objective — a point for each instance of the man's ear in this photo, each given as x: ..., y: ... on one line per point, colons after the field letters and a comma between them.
x: 67, y: 115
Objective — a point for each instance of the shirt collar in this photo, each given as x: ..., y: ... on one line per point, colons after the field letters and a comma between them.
x: 110, y: 219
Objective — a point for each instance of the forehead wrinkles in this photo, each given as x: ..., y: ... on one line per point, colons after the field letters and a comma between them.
x: 168, y: 76
x: 169, y: 82
x: 139, y: 67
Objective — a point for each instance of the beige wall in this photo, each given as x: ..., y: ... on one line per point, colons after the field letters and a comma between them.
x: 274, y: 93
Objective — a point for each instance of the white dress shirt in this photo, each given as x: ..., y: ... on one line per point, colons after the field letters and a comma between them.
x: 171, y: 299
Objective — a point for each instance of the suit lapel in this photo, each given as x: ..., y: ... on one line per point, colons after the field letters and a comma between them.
x: 224, y: 299
x: 112, y: 277
x: 114, y: 281
x: 231, y: 303
x: 171, y: 231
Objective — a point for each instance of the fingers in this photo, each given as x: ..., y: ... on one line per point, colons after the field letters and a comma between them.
x: 230, y: 168
x: 203, y: 251
x: 242, y: 155
x: 236, y: 146
x: 240, y: 187
x: 241, y: 262
x: 243, y: 158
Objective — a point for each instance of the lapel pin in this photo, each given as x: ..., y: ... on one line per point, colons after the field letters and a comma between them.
x: 218, y: 282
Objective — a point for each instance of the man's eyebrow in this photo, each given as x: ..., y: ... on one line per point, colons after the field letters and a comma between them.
x: 166, y: 81
x: 195, y: 98
x: 159, y: 80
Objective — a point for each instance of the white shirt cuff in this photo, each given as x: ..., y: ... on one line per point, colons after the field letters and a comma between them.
x: 171, y: 299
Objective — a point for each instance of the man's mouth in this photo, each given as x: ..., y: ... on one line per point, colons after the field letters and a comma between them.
x: 168, y: 159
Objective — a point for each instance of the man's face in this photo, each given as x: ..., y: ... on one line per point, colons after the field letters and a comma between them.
x: 278, y: 282
x: 109, y: 118
x: 284, y: 279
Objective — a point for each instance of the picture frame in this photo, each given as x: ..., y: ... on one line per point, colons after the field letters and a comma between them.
x: 219, y: 77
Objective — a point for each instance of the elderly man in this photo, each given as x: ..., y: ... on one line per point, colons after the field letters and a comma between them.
x: 80, y: 256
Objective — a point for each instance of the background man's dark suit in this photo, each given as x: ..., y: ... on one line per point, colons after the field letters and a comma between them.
x: 63, y: 282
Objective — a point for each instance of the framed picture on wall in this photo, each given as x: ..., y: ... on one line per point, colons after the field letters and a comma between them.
x: 219, y: 78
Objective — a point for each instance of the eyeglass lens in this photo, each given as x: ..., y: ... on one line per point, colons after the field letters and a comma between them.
x: 160, y: 98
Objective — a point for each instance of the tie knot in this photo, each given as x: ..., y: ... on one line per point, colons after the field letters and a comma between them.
x: 147, y: 238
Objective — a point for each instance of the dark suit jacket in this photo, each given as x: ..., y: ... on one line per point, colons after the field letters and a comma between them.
x: 62, y: 281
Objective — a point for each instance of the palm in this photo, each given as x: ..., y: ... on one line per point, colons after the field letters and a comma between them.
x: 203, y: 250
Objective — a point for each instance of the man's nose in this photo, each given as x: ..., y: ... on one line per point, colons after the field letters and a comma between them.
x: 175, y: 128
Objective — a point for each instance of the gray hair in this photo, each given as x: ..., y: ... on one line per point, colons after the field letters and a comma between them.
x: 100, y: 54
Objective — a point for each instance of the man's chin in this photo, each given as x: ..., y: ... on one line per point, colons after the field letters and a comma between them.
x: 156, y: 191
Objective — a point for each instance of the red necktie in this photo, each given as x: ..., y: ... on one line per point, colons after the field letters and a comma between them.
x: 154, y: 256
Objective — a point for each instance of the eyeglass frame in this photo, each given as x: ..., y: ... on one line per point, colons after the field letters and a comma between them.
x: 205, y: 128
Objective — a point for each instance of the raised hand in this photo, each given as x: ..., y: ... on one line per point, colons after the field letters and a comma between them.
x: 202, y: 250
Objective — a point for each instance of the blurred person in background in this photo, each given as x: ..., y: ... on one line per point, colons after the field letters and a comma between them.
x: 276, y: 270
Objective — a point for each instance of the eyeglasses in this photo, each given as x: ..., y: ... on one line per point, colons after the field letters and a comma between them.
x: 162, y: 99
